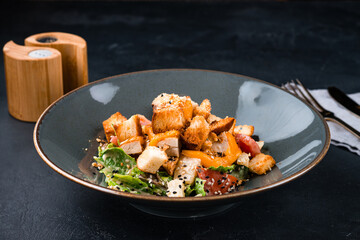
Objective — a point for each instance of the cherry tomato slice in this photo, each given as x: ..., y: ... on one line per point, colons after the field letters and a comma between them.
x: 217, y: 183
x: 247, y: 144
x: 114, y: 140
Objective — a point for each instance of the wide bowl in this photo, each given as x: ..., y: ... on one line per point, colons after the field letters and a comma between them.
x: 294, y: 133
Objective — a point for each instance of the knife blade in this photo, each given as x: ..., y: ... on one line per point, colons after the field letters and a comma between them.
x: 344, y: 100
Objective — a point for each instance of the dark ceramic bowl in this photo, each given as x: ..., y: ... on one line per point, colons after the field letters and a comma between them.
x: 294, y: 133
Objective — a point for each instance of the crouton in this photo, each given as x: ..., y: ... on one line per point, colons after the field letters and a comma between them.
x: 196, y: 134
x: 129, y: 128
x: 261, y: 163
x: 244, y: 129
x: 170, y: 112
x: 186, y: 169
x: 204, y: 109
x: 110, y: 124
x: 243, y: 159
x: 133, y: 146
x: 176, y: 188
x: 187, y: 108
x: 170, y: 165
x: 151, y: 159
x: 222, y: 125
x: 212, y: 118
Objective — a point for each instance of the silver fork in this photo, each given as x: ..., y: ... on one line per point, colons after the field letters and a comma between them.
x: 327, y: 115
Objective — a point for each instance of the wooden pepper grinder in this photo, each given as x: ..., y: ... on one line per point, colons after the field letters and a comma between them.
x: 33, y: 79
x: 74, y: 55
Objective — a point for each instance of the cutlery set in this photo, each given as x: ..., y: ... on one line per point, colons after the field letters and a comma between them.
x: 298, y: 89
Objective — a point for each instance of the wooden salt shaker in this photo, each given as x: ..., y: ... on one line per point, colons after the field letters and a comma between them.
x: 33, y: 79
x: 74, y: 55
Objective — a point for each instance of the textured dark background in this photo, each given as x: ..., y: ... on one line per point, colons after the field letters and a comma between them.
x: 316, y: 42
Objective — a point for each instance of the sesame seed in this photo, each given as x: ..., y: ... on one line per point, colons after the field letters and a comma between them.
x: 179, y: 186
x: 174, y: 192
x: 181, y: 179
x: 184, y: 165
x: 179, y: 175
x: 206, y: 176
x: 185, y: 177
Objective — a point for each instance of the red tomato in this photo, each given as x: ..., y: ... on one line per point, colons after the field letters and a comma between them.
x: 247, y: 144
x: 114, y: 140
x: 217, y: 183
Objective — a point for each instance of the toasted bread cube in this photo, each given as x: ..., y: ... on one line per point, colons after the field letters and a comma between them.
x: 170, y: 112
x: 243, y: 159
x: 261, y: 163
x: 111, y: 123
x: 187, y: 108
x: 186, y: 169
x: 222, y: 125
x: 196, y: 134
x: 204, y: 109
x: 176, y: 188
x: 151, y: 159
x: 244, y: 129
x: 129, y: 128
x: 133, y: 146
x: 212, y: 118
x: 170, y: 165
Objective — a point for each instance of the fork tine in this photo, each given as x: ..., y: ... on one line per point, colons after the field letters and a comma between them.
x: 311, y: 97
x: 295, y: 89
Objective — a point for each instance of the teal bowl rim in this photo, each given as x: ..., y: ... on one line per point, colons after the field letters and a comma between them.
x: 152, y: 198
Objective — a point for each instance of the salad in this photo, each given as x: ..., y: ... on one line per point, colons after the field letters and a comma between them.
x: 183, y: 151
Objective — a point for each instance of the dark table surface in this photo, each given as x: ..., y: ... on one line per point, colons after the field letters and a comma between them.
x: 318, y: 43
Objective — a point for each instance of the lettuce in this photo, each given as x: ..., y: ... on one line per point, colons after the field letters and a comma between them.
x: 199, y: 186
x: 238, y: 171
x: 223, y: 169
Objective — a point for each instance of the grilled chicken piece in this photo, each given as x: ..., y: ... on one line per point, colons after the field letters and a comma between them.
x: 186, y: 169
x: 133, y: 146
x: 170, y: 112
x: 244, y: 129
x: 204, y: 109
x: 172, y: 144
x: 261, y: 163
x: 222, y: 125
x: 219, y: 147
x: 151, y: 159
x: 170, y: 165
x: 129, y: 128
x: 197, y: 133
x: 169, y: 139
x: 111, y: 123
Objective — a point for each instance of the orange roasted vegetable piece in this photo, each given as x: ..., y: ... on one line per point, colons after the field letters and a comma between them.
x: 155, y: 139
x: 231, y: 155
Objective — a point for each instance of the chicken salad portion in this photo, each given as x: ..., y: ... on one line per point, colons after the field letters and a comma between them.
x: 183, y: 151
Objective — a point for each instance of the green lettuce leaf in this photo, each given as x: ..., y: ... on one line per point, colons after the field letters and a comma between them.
x: 199, y: 186
x: 116, y: 160
x: 189, y: 190
x: 223, y: 169
x: 135, y: 184
x: 165, y: 176
x: 240, y: 172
